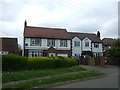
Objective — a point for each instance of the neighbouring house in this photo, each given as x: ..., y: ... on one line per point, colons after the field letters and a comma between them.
x: 8, y: 45
x: 41, y: 41
x: 86, y: 42
x: 107, y: 42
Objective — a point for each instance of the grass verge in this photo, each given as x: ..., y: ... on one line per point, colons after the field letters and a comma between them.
x: 55, y: 79
x: 30, y: 74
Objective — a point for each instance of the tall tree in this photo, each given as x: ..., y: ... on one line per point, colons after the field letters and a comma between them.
x: 114, y: 53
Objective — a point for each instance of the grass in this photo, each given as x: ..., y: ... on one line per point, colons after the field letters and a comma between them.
x: 55, y: 79
x: 30, y: 74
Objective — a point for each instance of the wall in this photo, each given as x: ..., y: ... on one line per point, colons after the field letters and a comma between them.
x: 99, y: 49
x: 83, y: 44
x: 44, y: 45
x: 76, y: 50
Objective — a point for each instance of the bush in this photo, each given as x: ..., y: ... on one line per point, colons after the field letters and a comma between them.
x: 12, y: 62
x: 113, y: 55
x: 50, y: 62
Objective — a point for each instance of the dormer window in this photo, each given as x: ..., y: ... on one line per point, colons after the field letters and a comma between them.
x: 96, y: 45
x: 86, y: 44
x: 77, y: 43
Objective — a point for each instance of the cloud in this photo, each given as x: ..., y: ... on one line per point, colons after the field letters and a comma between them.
x: 74, y: 15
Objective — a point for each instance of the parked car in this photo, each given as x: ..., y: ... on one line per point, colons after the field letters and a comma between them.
x: 87, y: 56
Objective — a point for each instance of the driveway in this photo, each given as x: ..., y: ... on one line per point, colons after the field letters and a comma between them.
x: 110, y: 81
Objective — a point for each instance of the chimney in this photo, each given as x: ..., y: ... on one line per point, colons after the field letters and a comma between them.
x: 98, y: 34
x: 25, y: 23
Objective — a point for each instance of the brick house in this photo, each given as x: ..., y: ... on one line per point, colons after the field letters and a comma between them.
x: 107, y: 42
x: 41, y: 41
x: 8, y: 45
x: 86, y: 42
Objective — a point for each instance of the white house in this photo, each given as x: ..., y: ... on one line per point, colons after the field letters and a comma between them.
x: 86, y: 42
x: 41, y: 41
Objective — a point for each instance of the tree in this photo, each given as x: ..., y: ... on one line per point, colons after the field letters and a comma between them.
x: 114, y: 53
x: 19, y: 49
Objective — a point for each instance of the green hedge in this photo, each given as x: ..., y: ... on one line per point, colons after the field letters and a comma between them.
x: 13, y: 62
x: 50, y: 62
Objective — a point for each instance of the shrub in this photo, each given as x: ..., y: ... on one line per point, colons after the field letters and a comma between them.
x: 12, y: 62
x: 50, y: 62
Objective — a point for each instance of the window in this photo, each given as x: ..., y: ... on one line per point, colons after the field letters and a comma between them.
x: 51, y: 42
x: 86, y: 44
x: 63, y: 43
x: 3, y: 52
x: 77, y: 55
x: 35, y: 54
x: 76, y: 43
x: 96, y: 45
x: 35, y: 42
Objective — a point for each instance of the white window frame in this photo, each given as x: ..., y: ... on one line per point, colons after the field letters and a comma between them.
x: 87, y: 45
x: 96, y: 45
x: 63, y: 43
x: 35, y: 43
x: 76, y: 43
x: 50, y: 42
x: 35, y: 54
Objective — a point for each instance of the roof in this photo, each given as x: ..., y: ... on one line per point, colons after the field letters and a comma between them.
x: 81, y: 36
x: 108, y: 41
x: 8, y: 44
x: 44, y: 32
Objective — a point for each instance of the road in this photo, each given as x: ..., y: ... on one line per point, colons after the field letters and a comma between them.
x: 110, y: 81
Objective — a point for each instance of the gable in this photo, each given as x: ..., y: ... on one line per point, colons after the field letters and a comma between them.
x: 81, y: 36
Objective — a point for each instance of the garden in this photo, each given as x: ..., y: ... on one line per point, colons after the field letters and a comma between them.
x: 18, y: 68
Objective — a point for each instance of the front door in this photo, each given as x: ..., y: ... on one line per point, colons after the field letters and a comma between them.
x: 51, y: 55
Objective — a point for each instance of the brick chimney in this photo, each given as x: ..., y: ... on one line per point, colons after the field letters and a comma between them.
x: 25, y: 23
x: 98, y: 34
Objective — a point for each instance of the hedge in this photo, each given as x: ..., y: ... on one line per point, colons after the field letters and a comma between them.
x: 12, y: 62
x: 50, y: 62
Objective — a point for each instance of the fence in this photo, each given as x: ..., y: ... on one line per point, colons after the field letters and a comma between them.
x: 100, y: 61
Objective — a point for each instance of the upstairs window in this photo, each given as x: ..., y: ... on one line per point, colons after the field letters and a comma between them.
x: 86, y: 44
x: 35, y: 42
x: 51, y: 42
x: 77, y: 43
x: 63, y: 43
x: 96, y: 45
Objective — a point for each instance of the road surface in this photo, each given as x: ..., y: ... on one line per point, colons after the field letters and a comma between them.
x: 110, y: 81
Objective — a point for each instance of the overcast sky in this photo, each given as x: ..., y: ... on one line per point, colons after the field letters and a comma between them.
x: 86, y: 16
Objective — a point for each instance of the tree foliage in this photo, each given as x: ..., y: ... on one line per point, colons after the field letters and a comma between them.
x: 114, y: 53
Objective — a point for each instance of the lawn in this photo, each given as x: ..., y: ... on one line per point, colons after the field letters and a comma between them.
x: 55, y: 79
x: 30, y: 74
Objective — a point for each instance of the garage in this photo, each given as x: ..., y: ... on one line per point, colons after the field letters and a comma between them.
x: 65, y: 55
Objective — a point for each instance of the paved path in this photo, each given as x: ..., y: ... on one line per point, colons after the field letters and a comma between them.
x: 111, y: 81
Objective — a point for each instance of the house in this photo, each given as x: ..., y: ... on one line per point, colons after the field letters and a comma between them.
x: 42, y: 41
x: 8, y: 45
x: 86, y: 42
x: 107, y: 42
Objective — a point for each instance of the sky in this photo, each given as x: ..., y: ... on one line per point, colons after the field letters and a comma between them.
x: 85, y: 16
